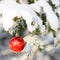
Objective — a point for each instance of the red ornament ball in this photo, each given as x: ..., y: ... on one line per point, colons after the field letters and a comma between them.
x: 16, y: 44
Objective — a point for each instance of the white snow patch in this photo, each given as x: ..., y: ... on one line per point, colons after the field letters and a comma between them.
x: 56, y: 2
x: 51, y: 16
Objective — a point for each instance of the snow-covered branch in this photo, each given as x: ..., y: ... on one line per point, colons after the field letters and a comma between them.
x: 28, y: 12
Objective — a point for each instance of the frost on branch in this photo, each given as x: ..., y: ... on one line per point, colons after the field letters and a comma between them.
x: 41, y: 17
x: 28, y: 13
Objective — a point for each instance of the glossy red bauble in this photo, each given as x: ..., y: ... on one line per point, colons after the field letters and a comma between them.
x: 16, y: 44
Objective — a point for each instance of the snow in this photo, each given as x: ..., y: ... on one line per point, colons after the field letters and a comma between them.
x: 28, y: 49
x: 11, y: 10
x: 58, y: 11
x: 56, y: 2
x: 35, y: 7
x: 53, y: 21
x: 28, y: 13
x: 50, y: 15
x: 9, y: 1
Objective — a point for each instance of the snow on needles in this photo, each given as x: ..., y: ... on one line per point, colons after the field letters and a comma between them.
x: 11, y: 10
x: 50, y: 15
x: 56, y: 2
